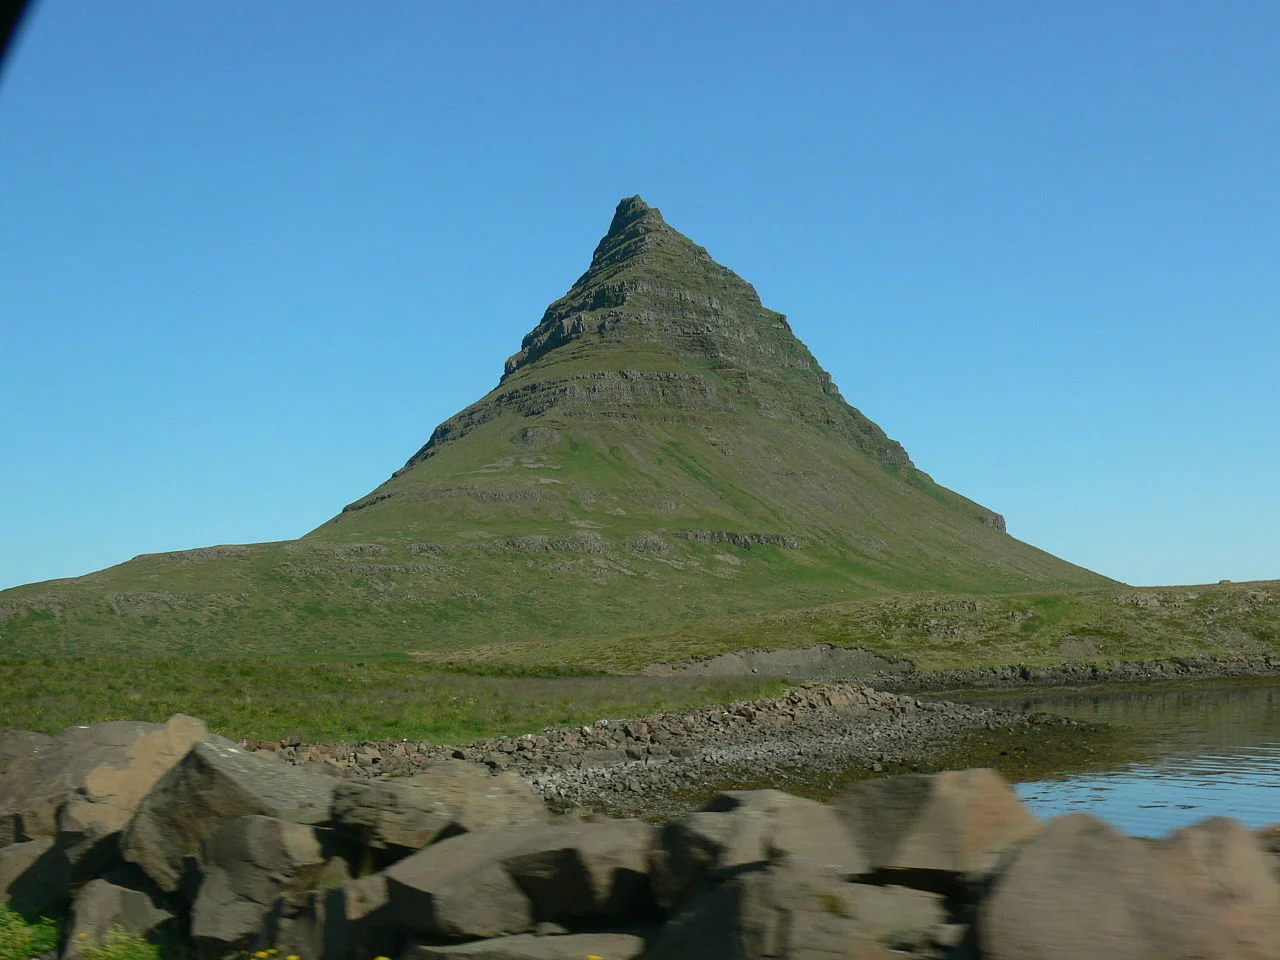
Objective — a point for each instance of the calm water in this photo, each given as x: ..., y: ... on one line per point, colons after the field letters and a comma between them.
x: 1206, y: 749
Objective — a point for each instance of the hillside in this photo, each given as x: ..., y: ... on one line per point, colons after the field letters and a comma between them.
x: 662, y: 450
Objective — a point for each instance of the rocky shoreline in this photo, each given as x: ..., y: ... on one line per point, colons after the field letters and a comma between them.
x: 170, y: 833
x: 651, y: 766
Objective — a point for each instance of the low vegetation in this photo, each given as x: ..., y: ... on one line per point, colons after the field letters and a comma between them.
x: 20, y: 940
x: 336, y: 700
x: 937, y: 631
x: 511, y: 688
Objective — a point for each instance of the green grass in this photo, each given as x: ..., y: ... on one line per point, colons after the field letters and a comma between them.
x: 118, y: 945
x: 937, y: 631
x: 512, y: 687
x: 328, y: 701
x: 21, y: 940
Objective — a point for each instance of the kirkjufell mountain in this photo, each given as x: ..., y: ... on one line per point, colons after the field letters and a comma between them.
x: 661, y: 449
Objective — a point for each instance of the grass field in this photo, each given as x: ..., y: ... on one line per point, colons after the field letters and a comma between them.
x: 335, y: 700
x: 516, y: 687
x: 938, y: 631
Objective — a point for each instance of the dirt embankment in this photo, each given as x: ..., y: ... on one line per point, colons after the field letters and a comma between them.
x: 823, y: 661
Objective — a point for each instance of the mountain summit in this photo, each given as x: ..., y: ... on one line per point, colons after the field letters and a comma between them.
x: 661, y: 449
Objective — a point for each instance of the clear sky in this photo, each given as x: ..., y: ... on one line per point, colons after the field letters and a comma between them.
x: 253, y: 252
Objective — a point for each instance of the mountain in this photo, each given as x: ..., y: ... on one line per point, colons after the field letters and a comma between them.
x: 662, y: 449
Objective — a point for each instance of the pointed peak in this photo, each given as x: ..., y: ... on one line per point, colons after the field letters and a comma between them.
x: 629, y: 211
x: 635, y: 228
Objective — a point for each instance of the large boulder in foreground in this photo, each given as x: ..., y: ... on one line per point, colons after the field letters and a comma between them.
x: 1082, y: 890
x: 957, y: 823
x: 777, y: 911
x: 739, y: 827
x: 214, y: 784
x: 400, y: 816
x: 248, y: 865
x: 101, y: 906
x: 503, y: 881
x: 35, y: 877
x: 84, y: 785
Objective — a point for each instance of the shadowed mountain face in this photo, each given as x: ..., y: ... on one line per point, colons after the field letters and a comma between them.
x: 661, y: 449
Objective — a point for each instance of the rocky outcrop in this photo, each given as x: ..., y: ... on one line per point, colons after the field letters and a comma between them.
x: 439, y: 867
x: 215, y: 783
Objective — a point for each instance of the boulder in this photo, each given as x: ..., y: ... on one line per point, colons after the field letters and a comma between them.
x: 249, y: 866
x: 213, y: 784
x: 786, y: 911
x: 748, y: 826
x: 574, y: 946
x: 701, y: 845
x: 955, y: 824
x: 503, y: 881
x: 35, y: 877
x: 17, y: 744
x: 1220, y: 864
x: 585, y: 871
x: 1083, y: 890
x: 899, y: 917
x: 84, y: 785
x: 356, y: 922
x: 457, y: 888
x: 452, y: 796
x: 1269, y: 839
x: 100, y: 905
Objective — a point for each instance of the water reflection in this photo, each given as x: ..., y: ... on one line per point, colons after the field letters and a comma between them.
x: 1208, y: 749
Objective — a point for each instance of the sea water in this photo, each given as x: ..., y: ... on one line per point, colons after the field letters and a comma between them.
x: 1206, y: 748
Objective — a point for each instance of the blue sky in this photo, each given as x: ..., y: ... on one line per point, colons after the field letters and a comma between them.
x: 252, y: 253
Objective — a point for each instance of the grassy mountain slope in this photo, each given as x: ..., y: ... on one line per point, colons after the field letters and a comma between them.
x: 662, y: 450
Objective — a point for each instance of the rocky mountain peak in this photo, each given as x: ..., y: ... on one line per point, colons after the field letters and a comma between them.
x: 636, y: 229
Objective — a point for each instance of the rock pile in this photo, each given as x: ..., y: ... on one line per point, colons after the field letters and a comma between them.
x: 167, y: 831
x: 638, y: 766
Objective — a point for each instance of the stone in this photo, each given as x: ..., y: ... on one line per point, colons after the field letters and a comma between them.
x: 898, y: 917
x: 1081, y: 890
x: 958, y: 823
x: 589, y: 871
x: 457, y: 888
x: 504, y: 881
x: 574, y: 946
x: 212, y: 785
x: 84, y: 785
x: 357, y: 921
x: 247, y: 864
x: 17, y: 744
x: 700, y: 845
x: 404, y: 815
x: 100, y: 905
x: 746, y: 826
x: 781, y: 910
x: 35, y: 877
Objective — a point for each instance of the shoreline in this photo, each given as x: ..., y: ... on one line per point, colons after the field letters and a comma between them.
x: 820, y: 734
x: 658, y: 766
